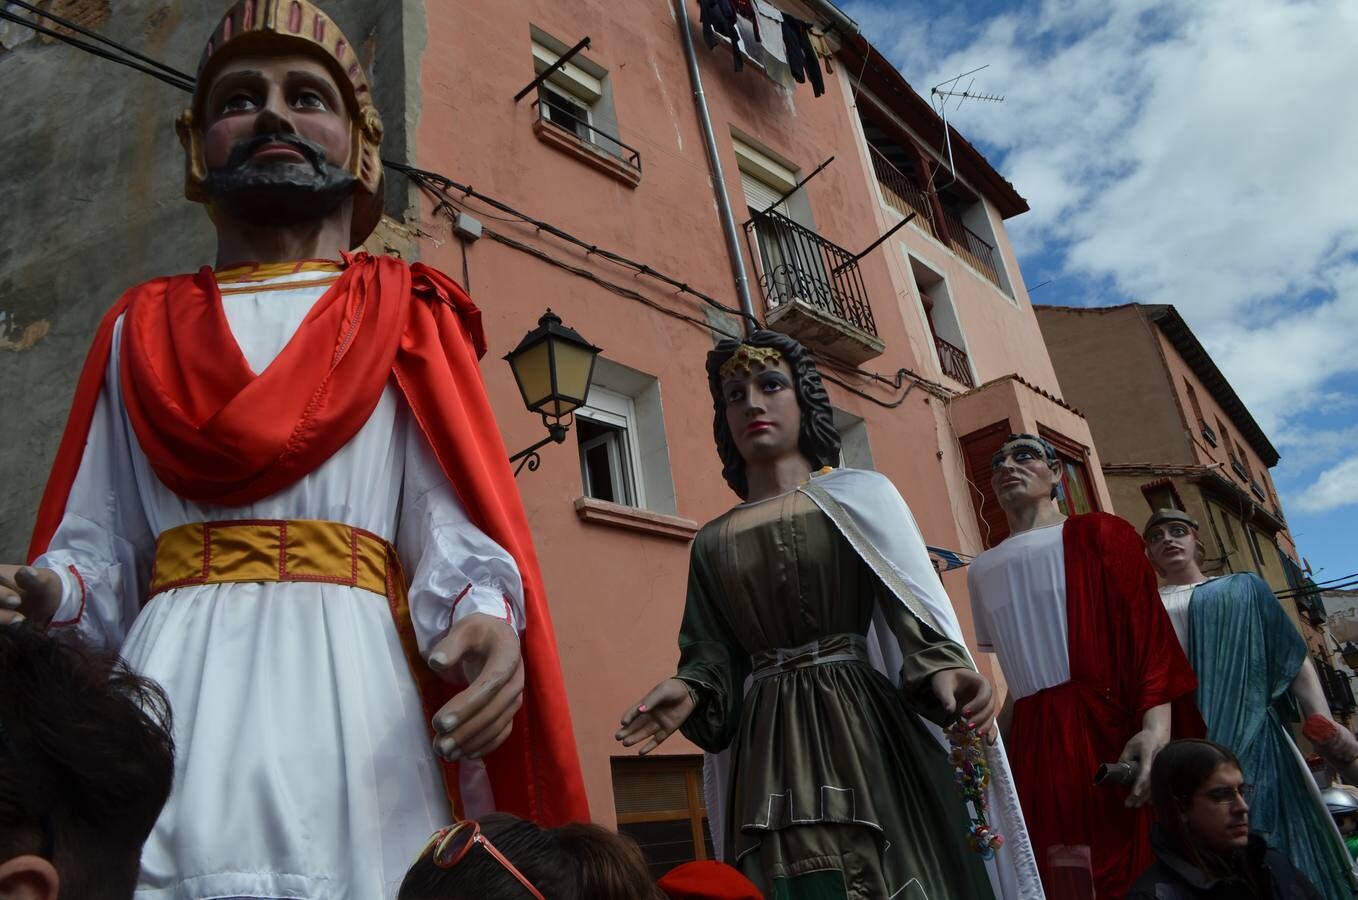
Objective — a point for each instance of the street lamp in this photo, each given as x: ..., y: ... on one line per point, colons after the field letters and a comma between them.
x: 553, y: 366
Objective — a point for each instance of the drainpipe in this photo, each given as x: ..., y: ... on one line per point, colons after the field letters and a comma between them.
x: 728, y: 220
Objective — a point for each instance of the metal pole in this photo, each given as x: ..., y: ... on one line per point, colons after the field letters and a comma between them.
x: 728, y: 221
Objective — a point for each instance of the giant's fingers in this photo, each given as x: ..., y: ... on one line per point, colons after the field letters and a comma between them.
x: 491, y: 734
x: 502, y: 669
x: 495, y: 695
x: 648, y: 729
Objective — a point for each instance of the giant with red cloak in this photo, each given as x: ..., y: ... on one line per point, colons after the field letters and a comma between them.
x: 1124, y: 660
x: 214, y: 431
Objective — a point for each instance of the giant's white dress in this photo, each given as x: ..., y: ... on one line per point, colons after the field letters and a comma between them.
x: 303, y: 760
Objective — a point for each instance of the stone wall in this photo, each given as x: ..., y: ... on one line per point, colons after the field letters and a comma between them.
x: 92, y: 196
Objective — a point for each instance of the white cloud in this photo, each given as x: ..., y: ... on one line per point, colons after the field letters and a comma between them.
x: 1194, y: 152
x: 1336, y: 487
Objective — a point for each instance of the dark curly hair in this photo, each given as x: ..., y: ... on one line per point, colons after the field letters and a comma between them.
x: 818, y: 440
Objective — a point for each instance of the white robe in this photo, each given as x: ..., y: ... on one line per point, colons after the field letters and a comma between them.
x: 303, y: 761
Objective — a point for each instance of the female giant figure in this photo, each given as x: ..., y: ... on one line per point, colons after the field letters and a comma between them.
x: 816, y: 640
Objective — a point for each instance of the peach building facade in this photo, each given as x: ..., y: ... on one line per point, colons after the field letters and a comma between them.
x: 928, y: 339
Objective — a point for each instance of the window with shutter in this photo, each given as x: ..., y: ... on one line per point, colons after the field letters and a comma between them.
x: 977, y: 450
x: 659, y: 803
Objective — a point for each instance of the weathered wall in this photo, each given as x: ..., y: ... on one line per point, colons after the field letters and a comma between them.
x: 92, y: 200
x: 1111, y: 369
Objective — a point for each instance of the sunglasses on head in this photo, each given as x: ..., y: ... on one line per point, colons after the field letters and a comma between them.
x: 449, y: 846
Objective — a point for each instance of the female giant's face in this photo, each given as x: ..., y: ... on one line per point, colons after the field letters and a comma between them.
x: 1218, y: 813
x: 762, y: 411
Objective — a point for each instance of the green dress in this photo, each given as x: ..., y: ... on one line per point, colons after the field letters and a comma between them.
x: 837, y: 791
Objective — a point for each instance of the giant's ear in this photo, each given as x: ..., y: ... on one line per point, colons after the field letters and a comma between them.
x: 28, y: 877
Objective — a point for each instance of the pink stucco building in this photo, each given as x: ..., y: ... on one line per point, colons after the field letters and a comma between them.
x: 929, y: 338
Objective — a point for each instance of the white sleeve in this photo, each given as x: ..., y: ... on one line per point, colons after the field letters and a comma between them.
x: 978, y: 617
x: 454, y: 568
x: 103, y: 548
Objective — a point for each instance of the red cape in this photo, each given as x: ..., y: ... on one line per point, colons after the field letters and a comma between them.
x: 214, y: 432
x: 1124, y: 660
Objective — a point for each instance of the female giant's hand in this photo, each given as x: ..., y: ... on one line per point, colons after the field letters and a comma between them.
x: 657, y: 716
x: 965, y: 693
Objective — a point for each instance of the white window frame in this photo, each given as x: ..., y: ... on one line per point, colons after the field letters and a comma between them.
x: 576, y: 100
x: 615, y: 410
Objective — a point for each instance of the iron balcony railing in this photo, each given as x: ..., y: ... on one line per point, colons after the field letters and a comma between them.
x: 798, y: 264
x: 601, y: 139
x: 902, y: 195
x: 971, y: 247
x: 900, y: 192
x: 954, y: 362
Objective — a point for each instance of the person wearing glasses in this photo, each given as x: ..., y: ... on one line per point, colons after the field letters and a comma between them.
x: 1247, y: 655
x: 86, y: 763
x: 1201, y: 838
x: 503, y: 857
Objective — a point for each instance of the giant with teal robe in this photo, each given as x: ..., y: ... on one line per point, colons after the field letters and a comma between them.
x: 1246, y: 653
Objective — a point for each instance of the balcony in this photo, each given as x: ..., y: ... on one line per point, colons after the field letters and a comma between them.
x: 813, y: 289
x: 953, y: 360
x: 1257, y: 489
x: 902, y: 195
x: 1239, y: 469
x: 900, y: 192
x: 1208, y: 434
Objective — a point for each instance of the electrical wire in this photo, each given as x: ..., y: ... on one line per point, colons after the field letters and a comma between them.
x: 80, y: 29
x: 439, y: 184
x: 157, y: 73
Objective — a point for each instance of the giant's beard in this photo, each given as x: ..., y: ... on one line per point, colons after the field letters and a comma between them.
x: 278, y: 193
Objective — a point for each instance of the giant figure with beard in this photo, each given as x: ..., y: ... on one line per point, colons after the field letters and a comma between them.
x: 282, y: 494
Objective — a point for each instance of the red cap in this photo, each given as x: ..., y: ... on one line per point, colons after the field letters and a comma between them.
x: 707, y: 880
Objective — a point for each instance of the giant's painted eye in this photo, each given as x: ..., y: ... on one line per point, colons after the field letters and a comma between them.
x: 310, y: 100
x: 240, y: 102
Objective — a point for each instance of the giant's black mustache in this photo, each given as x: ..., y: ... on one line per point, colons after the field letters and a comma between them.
x: 242, y: 152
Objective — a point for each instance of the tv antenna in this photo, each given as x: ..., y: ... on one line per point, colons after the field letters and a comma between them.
x: 943, y: 94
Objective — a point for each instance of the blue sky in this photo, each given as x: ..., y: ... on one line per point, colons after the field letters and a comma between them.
x: 1194, y: 152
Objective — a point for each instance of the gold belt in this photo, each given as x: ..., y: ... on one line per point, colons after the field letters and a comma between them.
x: 261, y: 550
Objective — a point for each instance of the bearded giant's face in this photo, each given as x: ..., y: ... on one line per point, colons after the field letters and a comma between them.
x: 276, y: 141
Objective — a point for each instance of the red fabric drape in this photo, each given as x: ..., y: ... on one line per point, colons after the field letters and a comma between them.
x: 1124, y: 660
x: 216, y: 432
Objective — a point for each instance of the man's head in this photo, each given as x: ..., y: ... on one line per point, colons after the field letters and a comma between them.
x: 86, y: 763
x: 1025, y: 471
x: 1173, y: 545
x: 282, y: 130
x: 1200, y: 798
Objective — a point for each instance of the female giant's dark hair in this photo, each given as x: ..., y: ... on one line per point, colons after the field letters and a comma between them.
x: 1179, y: 770
x: 574, y: 862
x: 818, y: 441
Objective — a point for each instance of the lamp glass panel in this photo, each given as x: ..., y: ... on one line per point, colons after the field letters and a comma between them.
x: 574, y: 365
x: 533, y: 371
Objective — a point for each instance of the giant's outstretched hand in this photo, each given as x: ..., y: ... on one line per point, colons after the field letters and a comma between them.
x: 27, y: 592
x: 485, y: 651
x: 965, y: 693
x: 657, y: 716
